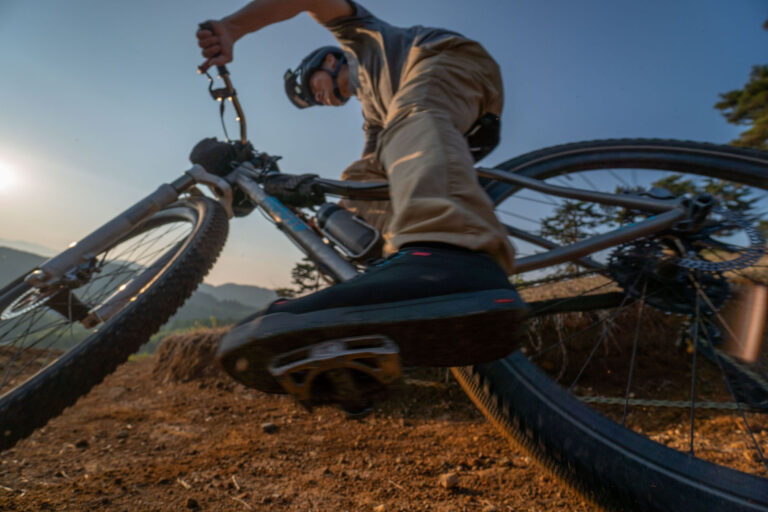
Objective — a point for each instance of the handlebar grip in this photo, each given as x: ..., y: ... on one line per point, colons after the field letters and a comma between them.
x: 207, y: 25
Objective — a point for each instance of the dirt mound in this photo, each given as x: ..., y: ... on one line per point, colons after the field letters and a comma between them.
x: 189, y: 356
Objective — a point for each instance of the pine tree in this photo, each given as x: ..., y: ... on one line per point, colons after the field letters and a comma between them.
x: 749, y: 107
x: 305, y: 277
x: 571, y: 222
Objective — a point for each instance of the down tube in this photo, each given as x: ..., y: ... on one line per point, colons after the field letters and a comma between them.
x: 298, y: 232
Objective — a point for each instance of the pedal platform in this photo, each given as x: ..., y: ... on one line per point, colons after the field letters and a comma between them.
x: 346, y: 372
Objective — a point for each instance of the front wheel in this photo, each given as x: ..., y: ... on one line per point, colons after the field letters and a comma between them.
x: 49, y: 358
x: 641, y: 382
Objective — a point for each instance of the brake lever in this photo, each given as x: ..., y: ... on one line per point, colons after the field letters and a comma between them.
x: 227, y: 92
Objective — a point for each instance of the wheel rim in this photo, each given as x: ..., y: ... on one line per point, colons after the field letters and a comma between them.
x: 616, y: 348
x: 39, y: 327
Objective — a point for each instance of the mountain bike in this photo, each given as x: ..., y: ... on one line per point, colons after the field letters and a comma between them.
x: 637, y: 382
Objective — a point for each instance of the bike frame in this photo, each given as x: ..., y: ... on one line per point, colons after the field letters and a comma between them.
x: 57, y: 271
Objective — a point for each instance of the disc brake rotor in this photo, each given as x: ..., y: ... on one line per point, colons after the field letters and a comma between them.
x: 747, y: 256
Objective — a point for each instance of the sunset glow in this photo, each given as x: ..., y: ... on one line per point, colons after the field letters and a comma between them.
x: 8, y: 176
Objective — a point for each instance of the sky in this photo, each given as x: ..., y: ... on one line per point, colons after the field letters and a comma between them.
x: 100, y: 101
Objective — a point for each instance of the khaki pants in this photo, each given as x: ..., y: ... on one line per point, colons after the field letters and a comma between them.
x: 422, y: 153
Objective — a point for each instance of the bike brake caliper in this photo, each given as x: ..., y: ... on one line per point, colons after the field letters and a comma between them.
x: 345, y: 372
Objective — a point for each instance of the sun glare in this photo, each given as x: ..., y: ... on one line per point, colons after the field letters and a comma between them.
x: 8, y: 176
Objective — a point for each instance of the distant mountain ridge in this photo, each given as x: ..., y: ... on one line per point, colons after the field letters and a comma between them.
x: 36, y: 249
x: 226, y: 302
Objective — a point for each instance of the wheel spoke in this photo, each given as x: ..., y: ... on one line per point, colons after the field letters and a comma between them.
x: 534, y: 200
x: 18, y: 353
x: 597, y: 345
x: 697, y: 319
x: 728, y: 386
x: 619, y: 178
x: 623, y: 304
x: 517, y: 215
x: 634, y: 354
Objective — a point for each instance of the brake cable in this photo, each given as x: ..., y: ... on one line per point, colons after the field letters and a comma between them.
x: 225, y: 93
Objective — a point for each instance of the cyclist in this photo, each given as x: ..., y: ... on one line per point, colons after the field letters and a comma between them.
x: 421, y: 89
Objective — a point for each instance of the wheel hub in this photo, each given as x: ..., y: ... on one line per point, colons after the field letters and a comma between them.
x: 27, y: 302
x: 647, y: 270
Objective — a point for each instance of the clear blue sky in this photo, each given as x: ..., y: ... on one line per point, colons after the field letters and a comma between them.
x: 100, y: 101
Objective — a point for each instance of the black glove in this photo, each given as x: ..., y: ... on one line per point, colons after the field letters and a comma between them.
x: 294, y: 190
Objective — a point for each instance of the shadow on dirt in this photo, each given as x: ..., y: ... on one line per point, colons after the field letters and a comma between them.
x: 422, y: 393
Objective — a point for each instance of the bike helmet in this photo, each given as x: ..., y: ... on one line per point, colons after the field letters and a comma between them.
x: 297, y: 81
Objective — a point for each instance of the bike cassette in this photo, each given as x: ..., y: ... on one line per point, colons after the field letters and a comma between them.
x: 346, y: 372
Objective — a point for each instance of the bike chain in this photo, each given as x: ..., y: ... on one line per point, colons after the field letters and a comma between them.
x: 669, y: 403
x: 755, y: 377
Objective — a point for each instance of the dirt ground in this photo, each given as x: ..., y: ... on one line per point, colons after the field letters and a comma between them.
x: 168, y: 432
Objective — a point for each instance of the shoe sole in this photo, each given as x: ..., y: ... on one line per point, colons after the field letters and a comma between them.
x: 450, y: 330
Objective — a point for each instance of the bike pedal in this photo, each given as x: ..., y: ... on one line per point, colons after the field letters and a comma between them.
x: 345, y: 372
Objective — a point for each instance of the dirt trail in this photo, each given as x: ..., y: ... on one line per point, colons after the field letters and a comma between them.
x: 169, y: 432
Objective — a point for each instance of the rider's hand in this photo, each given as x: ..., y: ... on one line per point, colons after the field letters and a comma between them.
x: 216, y: 46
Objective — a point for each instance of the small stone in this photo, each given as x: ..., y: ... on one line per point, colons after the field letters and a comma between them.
x: 269, y: 428
x: 379, y: 508
x: 192, y: 504
x: 751, y: 456
x: 82, y: 444
x: 122, y: 434
x: 449, y: 480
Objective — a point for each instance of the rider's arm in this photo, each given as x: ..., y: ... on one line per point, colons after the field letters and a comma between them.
x: 261, y: 13
x: 217, y: 46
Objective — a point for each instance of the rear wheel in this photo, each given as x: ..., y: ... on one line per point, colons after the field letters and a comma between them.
x: 642, y: 382
x: 49, y: 358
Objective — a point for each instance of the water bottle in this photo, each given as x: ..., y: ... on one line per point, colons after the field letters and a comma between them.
x: 347, y: 231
